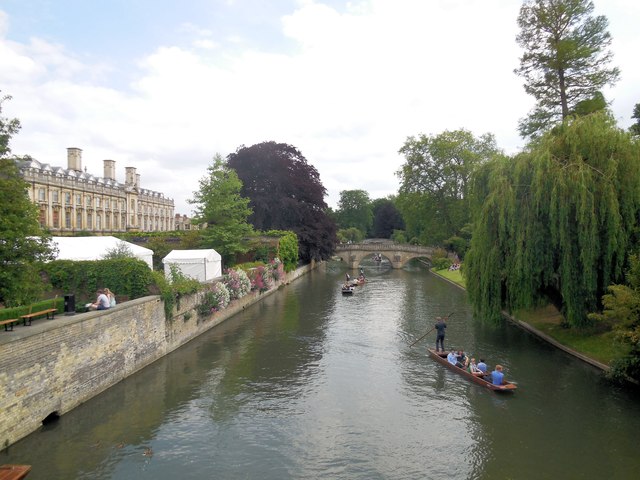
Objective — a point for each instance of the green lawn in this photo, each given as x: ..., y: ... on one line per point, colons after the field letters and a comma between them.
x: 453, y: 275
x: 600, y: 346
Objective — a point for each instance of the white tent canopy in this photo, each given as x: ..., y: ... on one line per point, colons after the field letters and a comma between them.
x: 95, y: 248
x: 202, y: 265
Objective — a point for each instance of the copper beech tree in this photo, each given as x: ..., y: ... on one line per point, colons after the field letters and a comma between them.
x: 285, y: 193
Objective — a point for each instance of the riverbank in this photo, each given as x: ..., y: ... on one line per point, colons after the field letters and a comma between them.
x: 53, y: 366
x: 547, y: 324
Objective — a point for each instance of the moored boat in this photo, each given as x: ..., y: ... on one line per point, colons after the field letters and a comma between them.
x: 485, y: 380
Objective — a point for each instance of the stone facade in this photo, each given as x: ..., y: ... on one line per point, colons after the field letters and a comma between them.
x: 71, y: 200
x: 55, y: 365
x: 182, y: 222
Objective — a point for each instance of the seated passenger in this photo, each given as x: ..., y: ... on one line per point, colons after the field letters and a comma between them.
x: 482, y: 366
x: 473, y: 368
x: 462, y: 360
x: 497, y: 377
x: 452, y: 358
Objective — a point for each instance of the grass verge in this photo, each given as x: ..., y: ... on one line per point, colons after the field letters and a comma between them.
x: 601, y: 346
x: 454, y: 275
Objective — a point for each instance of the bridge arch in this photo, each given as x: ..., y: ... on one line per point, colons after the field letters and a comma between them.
x: 398, y: 253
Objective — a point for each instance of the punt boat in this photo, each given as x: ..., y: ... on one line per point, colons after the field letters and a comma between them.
x: 485, y: 380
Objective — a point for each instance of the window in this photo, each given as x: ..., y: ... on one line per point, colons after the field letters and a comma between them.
x: 67, y: 199
x: 98, y: 222
x: 88, y: 201
x: 98, y: 202
x: 79, y: 220
x: 67, y: 217
x: 89, y: 221
x: 114, y: 204
x: 107, y: 221
x: 56, y: 219
x: 56, y: 196
x: 43, y: 217
x: 78, y: 199
x: 41, y: 194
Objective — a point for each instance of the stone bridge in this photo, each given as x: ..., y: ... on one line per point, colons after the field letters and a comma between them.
x: 397, y: 253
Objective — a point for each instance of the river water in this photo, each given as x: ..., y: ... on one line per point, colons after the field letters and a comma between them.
x: 312, y: 384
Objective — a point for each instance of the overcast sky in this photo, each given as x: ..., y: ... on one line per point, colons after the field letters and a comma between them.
x: 163, y: 85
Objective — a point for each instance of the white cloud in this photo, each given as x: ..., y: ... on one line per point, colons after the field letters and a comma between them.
x: 349, y: 92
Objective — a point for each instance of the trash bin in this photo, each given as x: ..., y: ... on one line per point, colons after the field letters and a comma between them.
x: 69, y: 304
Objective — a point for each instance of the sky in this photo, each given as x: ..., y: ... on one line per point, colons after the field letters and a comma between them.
x: 163, y: 86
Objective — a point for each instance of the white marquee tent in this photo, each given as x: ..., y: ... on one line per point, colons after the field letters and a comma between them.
x: 202, y: 265
x: 95, y: 248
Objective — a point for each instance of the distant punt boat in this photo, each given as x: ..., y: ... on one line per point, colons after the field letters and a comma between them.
x: 348, y: 289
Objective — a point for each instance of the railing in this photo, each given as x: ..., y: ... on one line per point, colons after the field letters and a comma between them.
x: 384, y: 247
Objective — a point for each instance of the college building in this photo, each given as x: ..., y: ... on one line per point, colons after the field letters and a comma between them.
x: 70, y: 200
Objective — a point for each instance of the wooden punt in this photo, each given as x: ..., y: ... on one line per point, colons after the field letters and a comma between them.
x: 348, y: 289
x: 441, y: 357
x: 14, y: 472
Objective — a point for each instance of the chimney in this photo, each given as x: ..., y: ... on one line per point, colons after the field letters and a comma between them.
x: 74, y: 159
x: 110, y: 169
x: 138, y: 180
x: 130, y: 176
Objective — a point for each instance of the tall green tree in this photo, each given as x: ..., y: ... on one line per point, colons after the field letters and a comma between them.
x: 556, y: 222
x: 434, y: 182
x: 621, y: 312
x: 354, y: 210
x: 565, y: 60
x: 23, y: 243
x: 220, y: 205
x: 635, y: 128
x: 286, y: 193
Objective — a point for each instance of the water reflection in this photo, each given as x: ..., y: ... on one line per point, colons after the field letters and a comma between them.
x: 311, y: 384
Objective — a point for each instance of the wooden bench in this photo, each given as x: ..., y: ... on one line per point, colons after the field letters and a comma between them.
x: 30, y: 316
x: 47, y: 311
x: 8, y: 324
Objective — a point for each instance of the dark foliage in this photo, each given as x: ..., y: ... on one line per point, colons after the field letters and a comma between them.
x: 386, y: 218
x: 286, y: 194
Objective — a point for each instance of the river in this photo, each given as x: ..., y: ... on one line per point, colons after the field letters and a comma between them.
x: 312, y: 384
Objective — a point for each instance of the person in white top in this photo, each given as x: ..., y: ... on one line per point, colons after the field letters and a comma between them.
x: 102, y: 302
x: 112, y: 298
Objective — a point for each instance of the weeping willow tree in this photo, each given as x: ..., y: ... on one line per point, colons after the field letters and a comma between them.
x: 556, y: 222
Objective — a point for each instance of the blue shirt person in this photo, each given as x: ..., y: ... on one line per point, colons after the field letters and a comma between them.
x: 497, y: 376
x: 482, y: 366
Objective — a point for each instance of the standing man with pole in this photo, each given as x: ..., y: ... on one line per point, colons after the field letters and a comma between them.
x: 440, y: 326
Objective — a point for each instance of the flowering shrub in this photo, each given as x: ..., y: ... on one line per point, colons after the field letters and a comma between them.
x: 214, y: 299
x: 237, y: 282
x: 276, y: 269
x: 256, y: 276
